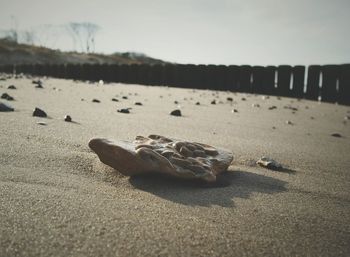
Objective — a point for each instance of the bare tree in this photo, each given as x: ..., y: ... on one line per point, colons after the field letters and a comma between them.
x: 83, y: 34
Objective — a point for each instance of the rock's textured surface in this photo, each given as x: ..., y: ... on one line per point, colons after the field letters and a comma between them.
x: 176, y: 113
x: 188, y: 160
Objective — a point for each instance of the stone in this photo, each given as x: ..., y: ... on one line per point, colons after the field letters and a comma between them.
x: 243, y: 99
x: 234, y: 111
x: 176, y: 102
x: 125, y: 97
x: 43, y: 123
x: 68, y: 118
x: 96, y: 101
x: 288, y: 122
x: 198, y: 103
x: 230, y: 99
x: 213, y: 102
x: 269, y: 163
x: 124, y: 110
x: 256, y: 105
x: 159, y: 154
x: 39, y: 113
x: 336, y: 135
x: 176, y: 113
x: 115, y: 100
x: 7, y: 97
x: 11, y: 87
x: 5, y: 108
x: 273, y: 107
x: 138, y: 103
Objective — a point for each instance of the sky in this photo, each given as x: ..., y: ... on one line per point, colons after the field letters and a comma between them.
x: 254, y: 32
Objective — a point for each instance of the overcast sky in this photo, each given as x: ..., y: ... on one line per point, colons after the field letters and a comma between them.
x: 256, y: 32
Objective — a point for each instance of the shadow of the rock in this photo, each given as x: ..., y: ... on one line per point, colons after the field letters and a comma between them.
x: 230, y: 185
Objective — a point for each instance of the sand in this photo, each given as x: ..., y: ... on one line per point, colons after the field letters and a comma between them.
x: 58, y: 199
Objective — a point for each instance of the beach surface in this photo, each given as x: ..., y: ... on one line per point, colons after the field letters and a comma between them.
x: 58, y: 199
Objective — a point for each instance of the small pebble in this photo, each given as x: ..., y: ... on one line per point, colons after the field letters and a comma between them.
x: 336, y: 135
x: 138, y: 103
x: 11, y: 87
x: 125, y: 97
x: 124, y: 110
x: 273, y: 127
x: 6, y: 108
x: 213, y: 102
x: 243, y: 99
x: 256, y: 105
x: 115, y: 100
x: 96, y: 101
x: 7, y: 97
x: 272, y: 107
x: 198, y: 103
x: 234, y: 110
x: 230, y: 99
x: 39, y: 113
x: 289, y: 122
x: 176, y: 102
x: 68, y: 118
x: 43, y: 123
x: 176, y: 113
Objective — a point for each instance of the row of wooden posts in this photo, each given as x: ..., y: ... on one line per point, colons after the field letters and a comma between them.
x: 330, y: 83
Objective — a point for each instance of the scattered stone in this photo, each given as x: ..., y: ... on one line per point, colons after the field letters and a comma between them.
x: 82, y: 99
x: 290, y: 108
x: 312, y: 118
x: 265, y: 97
x: 272, y: 107
x: 230, y: 99
x: 43, y: 123
x: 347, y: 117
x: 101, y: 82
x: 96, y: 101
x: 115, y: 100
x: 7, y: 97
x: 68, y: 118
x: 198, y: 103
x: 234, y: 110
x: 125, y: 97
x: 243, y: 99
x: 336, y: 135
x: 146, y: 155
x: 176, y: 102
x: 138, y: 103
x: 213, y: 102
x: 5, y: 108
x: 124, y: 110
x: 176, y: 113
x: 269, y: 163
x: 289, y: 122
x: 256, y: 105
x: 39, y: 113
x: 11, y: 87
x: 273, y: 127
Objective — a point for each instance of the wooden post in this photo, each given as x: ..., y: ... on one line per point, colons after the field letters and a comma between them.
x: 298, y: 81
x: 344, y: 84
x: 283, y: 80
x: 245, y: 78
x: 330, y: 75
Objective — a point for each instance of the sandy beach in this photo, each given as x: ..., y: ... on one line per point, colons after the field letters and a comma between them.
x: 58, y: 199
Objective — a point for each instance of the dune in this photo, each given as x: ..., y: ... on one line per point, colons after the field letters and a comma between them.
x: 58, y: 199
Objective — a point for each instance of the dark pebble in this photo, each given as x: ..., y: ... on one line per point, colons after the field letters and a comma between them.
x: 39, y: 113
x: 125, y: 110
x: 125, y: 97
x: 176, y: 102
x: 67, y: 118
x: 5, y: 108
x: 7, y: 97
x: 96, y: 101
x: 243, y: 99
x: 272, y: 107
x: 11, y: 87
x: 138, y: 103
x: 198, y: 103
x: 230, y: 99
x: 336, y: 135
x: 176, y: 113
x: 115, y: 100
x: 213, y: 102
x: 234, y: 110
